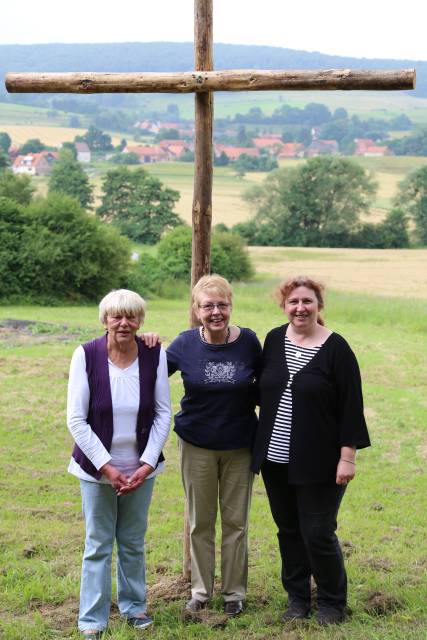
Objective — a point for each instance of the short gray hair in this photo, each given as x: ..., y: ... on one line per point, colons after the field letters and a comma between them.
x: 122, y: 301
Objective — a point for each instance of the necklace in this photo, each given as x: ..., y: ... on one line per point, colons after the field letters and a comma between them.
x: 227, y: 337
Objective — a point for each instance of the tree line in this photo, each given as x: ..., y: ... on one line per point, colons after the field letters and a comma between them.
x: 320, y: 204
x: 57, y: 248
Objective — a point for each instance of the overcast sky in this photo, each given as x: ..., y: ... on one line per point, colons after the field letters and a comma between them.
x: 362, y: 28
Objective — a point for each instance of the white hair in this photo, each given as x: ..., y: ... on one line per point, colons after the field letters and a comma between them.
x: 122, y: 301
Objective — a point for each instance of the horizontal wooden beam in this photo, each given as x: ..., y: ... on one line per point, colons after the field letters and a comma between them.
x: 201, y: 81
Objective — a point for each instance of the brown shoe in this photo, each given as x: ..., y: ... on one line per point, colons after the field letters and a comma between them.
x: 195, y: 605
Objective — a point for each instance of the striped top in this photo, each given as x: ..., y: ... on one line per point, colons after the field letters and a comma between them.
x: 296, y: 359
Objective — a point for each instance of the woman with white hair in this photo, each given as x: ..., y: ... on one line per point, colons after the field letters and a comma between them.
x: 119, y: 416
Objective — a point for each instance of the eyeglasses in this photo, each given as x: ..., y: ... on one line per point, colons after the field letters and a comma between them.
x: 209, y: 307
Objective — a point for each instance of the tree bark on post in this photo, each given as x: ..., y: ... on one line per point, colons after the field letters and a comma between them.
x: 202, y: 195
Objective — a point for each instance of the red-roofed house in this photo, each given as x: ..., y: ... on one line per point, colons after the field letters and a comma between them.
x: 270, y: 142
x: 147, y: 125
x: 174, y: 148
x: 377, y: 151
x: 147, y: 154
x: 291, y: 150
x: 233, y: 153
x: 35, y: 164
x: 362, y: 144
x: 367, y: 147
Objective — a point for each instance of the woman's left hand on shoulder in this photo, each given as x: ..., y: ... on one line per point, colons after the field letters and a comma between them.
x: 150, y: 339
x: 345, y: 472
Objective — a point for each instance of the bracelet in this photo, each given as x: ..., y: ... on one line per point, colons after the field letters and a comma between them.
x: 350, y: 461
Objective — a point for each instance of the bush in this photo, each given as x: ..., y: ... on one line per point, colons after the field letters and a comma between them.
x: 125, y: 158
x: 53, y: 250
x: 168, y: 274
x: 12, y: 224
x: 228, y: 255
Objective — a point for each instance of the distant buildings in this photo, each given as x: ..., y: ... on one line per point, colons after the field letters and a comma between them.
x: 35, y: 164
x: 83, y: 152
x: 367, y: 147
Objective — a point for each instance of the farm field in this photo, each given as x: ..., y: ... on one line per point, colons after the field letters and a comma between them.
x: 50, y: 135
x: 381, y: 523
x: 228, y: 188
x: 364, y: 104
x: 385, y: 273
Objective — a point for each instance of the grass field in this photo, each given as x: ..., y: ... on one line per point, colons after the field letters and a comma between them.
x: 382, y: 519
x: 228, y: 188
x: 363, y: 104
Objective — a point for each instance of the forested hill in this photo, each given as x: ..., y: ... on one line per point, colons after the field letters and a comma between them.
x: 173, y: 56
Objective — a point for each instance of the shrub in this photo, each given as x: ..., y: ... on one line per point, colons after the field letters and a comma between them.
x: 228, y: 255
x: 56, y: 251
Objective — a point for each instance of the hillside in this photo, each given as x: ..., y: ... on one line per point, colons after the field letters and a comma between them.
x: 163, y: 56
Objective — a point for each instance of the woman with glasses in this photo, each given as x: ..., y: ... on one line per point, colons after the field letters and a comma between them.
x: 216, y: 426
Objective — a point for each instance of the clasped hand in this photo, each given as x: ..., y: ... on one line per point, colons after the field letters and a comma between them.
x: 123, y: 484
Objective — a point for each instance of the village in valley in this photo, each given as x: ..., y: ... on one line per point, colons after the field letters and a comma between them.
x: 151, y: 144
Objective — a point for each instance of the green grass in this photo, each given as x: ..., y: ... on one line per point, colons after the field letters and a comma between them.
x: 381, y: 522
x: 376, y: 104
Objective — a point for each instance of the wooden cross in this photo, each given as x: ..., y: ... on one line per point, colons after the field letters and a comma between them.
x: 202, y: 82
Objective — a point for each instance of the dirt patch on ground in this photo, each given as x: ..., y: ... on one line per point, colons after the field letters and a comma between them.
x: 381, y: 604
x: 59, y: 617
x: 169, y: 588
x: 16, y: 332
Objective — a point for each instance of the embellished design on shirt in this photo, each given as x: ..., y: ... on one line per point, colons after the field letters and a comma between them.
x: 217, y: 372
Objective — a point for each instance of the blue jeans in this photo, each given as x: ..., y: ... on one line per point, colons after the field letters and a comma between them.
x: 110, y: 517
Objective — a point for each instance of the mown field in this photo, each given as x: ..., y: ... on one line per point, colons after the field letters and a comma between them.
x: 228, y: 188
x: 382, y: 520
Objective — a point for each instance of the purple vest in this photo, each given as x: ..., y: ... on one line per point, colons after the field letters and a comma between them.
x: 100, y: 414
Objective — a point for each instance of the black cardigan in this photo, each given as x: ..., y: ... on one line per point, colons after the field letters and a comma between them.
x: 327, y: 407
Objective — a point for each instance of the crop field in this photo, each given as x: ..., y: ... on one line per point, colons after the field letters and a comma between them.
x: 228, y: 188
x: 382, y: 519
x: 383, y: 273
x: 50, y: 135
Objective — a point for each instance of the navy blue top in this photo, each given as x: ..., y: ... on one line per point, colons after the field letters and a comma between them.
x: 220, y: 390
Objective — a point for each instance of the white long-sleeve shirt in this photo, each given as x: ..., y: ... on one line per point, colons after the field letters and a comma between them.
x: 125, y: 391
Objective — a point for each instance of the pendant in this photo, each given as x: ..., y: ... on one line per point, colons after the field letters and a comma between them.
x: 298, y: 354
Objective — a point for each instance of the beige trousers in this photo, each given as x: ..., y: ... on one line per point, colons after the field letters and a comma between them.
x: 211, y: 477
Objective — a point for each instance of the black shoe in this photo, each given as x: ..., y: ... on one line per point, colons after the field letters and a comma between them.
x: 326, y: 616
x: 140, y: 623
x: 195, y: 605
x: 233, y: 608
x: 296, y: 611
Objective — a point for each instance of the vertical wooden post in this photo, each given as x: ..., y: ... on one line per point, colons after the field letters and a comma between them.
x: 202, y: 196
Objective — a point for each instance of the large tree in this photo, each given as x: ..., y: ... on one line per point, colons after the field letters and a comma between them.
x: 313, y: 204
x: 138, y: 204
x: 96, y: 139
x: 412, y: 198
x: 34, y: 145
x: 68, y: 177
